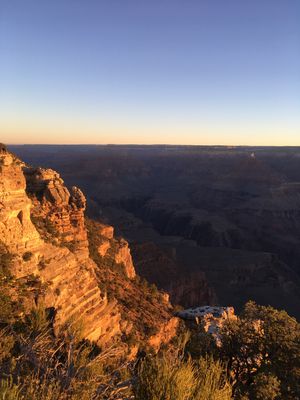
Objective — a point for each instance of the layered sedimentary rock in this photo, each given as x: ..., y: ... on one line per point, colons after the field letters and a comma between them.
x: 42, y: 228
x: 112, y: 251
x: 71, y: 287
x: 146, y: 311
x: 16, y: 229
x: 63, y: 211
x: 123, y: 256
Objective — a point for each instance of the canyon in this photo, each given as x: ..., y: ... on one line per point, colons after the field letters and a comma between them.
x: 211, y: 225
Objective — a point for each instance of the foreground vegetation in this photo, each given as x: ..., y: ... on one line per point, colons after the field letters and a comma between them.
x: 259, y: 359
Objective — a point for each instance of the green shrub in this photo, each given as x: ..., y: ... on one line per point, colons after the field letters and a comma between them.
x: 200, y: 343
x: 36, y: 388
x: 27, y: 255
x: 9, y: 390
x: 131, y: 339
x: 159, y: 379
x: 150, y: 330
x: 5, y: 263
x: 6, y: 307
x: 265, y: 387
x: 263, y: 339
x: 212, y: 383
x: 43, y: 263
x: 37, y: 321
x: 165, y: 377
x: 6, y: 345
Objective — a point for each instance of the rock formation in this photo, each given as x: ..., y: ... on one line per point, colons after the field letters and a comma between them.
x: 16, y: 229
x: 211, y: 318
x: 72, y: 286
x: 63, y: 211
x: 43, y: 229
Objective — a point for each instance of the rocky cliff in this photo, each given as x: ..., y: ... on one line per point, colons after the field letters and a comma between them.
x: 60, y: 210
x: 43, y: 230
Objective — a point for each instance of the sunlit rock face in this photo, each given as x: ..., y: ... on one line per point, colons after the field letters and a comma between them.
x: 16, y: 230
x: 114, y: 250
x: 70, y: 283
x: 123, y: 256
x: 106, y: 231
x: 62, y: 210
x: 43, y: 228
x: 165, y: 333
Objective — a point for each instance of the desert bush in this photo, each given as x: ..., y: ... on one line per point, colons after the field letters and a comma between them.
x: 27, y: 255
x: 263, y: 340
x: 37, y: 321
x: 212, y: 383
x: 164, y: 377
x: 6, y: 344
x: 159, y: 379
x: 36, y: 365
x: 200, y: 343
x: 9, y: 390
x: 5, y: 263
x: 45, y: 227
x: 70, y: 245
x: 6, y: 307
x: 150, y: 330
x: 43, y: 263
x: 265, y: 387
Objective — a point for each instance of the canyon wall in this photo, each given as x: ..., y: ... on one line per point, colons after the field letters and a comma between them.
x: 43, y: 230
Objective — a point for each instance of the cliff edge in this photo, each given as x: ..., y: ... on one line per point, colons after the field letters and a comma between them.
x: 87, y: 275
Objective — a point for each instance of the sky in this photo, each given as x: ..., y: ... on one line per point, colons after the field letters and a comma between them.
x: 150, y: 72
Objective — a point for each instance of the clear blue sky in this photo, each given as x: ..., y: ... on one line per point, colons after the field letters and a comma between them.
x: 155, y: 71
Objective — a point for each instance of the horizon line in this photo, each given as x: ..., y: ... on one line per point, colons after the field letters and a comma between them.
x: 150, y: 145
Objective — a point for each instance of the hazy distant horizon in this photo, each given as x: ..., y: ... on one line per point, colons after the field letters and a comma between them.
x: 151, y: 145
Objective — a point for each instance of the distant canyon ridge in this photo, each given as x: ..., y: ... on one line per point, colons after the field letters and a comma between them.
x: 210, y: 225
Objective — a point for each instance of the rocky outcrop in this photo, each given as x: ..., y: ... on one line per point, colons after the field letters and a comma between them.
x: 112, y: 251
x: 123, y: 256
x: 44, y: 237
x: 206, y: 313
x: 165, y: 333
x: 106, y: 231
x: 71, y: 287
x: 211, y: 318
x: 16, y: 229
x: 61, y: 210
